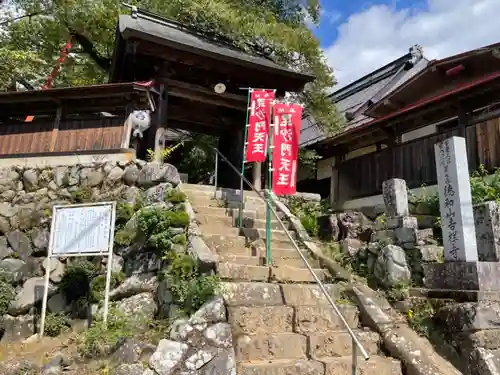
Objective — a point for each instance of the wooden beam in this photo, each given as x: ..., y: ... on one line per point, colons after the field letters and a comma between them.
x: 55, y: 130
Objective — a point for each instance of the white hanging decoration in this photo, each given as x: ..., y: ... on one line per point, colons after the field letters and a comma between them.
x: 141, y: 121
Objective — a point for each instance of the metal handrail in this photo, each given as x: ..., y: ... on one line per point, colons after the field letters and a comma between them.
x: 356, y: 344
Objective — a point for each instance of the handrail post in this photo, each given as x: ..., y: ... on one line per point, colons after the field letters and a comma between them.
x: 216, y: 174
x: 354, y: 357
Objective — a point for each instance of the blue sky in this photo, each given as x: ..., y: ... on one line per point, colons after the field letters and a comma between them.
x: 359, y: 36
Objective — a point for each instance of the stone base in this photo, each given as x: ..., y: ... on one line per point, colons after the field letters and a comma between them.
x: 456, y: 295
x: 466, y: 276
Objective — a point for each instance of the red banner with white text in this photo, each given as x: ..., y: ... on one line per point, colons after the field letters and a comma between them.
x: 259, y: 120
x: 287, y: 121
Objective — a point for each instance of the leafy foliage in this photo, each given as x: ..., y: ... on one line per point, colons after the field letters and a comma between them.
x: 276, y: 29
x: 98, y: 285
x: 175, y: 196
x: 99, y: 339
x: 154, y: 220
x: 75, y: 282
x: 308, y: 212
x: 164, y: 154
x: 190, y: 287
x: 7, y: 294
x: 55, y: 324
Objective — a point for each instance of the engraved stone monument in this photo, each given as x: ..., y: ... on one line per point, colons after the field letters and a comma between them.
x: 487, y: 223
x: 395, y: 197
x: 457, y: 218
x: 461, y: 270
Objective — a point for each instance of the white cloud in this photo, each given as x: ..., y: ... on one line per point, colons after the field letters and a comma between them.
x: 380, y: 34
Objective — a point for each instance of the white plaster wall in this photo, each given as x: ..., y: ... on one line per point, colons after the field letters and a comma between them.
x: 418, y: 133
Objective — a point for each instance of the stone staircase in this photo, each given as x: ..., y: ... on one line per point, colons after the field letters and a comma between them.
x: 281, y: 322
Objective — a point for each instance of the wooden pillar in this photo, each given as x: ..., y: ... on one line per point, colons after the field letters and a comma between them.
x: 55, y: 129
x: 160, y: 128
x: 462, y: 121
x: 336, y: 183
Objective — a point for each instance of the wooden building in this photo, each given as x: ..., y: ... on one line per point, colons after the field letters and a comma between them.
x: 459, y: 95
x: 186, y: 66
x: 69, y: 122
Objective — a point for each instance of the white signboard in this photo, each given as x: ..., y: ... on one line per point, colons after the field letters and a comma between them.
x: 81, y: 230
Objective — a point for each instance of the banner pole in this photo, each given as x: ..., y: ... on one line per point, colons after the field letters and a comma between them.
x: 269, y: 185
x: 245, y: 136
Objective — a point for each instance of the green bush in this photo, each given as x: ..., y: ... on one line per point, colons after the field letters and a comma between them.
x: 99, y: 339
x: 310, y: 224
x: 180, y: 239
x: 82, y: 194
x: 190, y: 288
x: 54, y: 324
x: 308, y: 212
x: 175, y: 196
x: 124, y: 212
x: 7, y: 294
x: 124, y: 238
x: 98, y: 285
x: 75, y: 282
x: 155, y: 220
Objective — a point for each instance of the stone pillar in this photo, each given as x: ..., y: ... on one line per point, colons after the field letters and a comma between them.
x: 231, y: 146
x: 487, y: 224
x: 395, y: 197
x: 257, y: 176
x: 457, y: 218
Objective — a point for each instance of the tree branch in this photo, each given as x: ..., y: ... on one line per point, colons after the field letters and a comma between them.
x: 88, y: 47
x: 20, y: 17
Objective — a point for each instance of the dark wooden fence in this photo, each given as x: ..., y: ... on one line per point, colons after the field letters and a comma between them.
x: 414, y: 161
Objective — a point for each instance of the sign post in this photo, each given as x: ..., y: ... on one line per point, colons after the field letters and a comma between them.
x: 81, y: 230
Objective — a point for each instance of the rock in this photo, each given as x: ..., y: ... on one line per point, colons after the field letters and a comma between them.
x: 219, y: 335
x: 164, y: 299
x: 180, y: 330
x: 426, y: 221
x: 140, y: 263
x: 425, y: 236
x: 27, y: 218
x: 4, y: 225
x: 133, y: 285
x: 211, y: 312
x: 7, y: 210
x: 328, y: 228
x: 55, y: 366
x: 115, y: 175
x: 91, y: 177
x: 199, y: 250
x: 225, y: 364
x: 131, y: 174
x: 132, y: 194
x: 30, y: 180
x: 354, y: 224
x: 469, y: 317
x: 117, y: 263
x: 129, y: 350
x: 351, y: 246
x: 17, y: 328
x: 141, y: 307
x: 57, y: 303
x: 8, y: 179
x: 402, y: 222
x: 15, y: 271
x: 167, y: 356
x: 200, y: 358
x: 406, y: 235
x: 158, y: 193
x: 30, y: 294
x: 130, y: 369
x: 56, y: 269
x: 61, y: 176
x: 155, y: 172
x: 5, y: 252
x: 431, y: 253
x: 40, y: 238
x: 391, y: 267
x: 387, y: 236
x: 20, y: 243
x: 8, y: 195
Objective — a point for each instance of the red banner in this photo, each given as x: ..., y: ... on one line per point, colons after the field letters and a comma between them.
x: 259, y: 120
x: 287, y: 121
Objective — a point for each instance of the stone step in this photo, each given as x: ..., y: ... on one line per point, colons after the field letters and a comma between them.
x: 296, y: 275
x: 260, y: 347
x: 375, y: 365
x: 227, y: 245
x: 339, y: 344
x: 240, y: 272
x: 251, y: 294
x: 281, y: 367
x: 218, y: 211
x: 249, y: 320
x: 292, y: 262
x: 309, y: 295
x: 262, y: 261
x: 329, y: 366
x: 242, y: 259
x: 278, y: 236
x: 197, y: 201
x: 323, y: 319
x: 228, y: 221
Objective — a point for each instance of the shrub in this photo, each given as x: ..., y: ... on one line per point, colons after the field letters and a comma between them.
x: 82, y: 194
x: 175, y: 196
x: 190, y: 288
x: 124, y: 238
x: 54, y: 324
x: 75, y: 282
x: 99, y: 339
x: 156, y: 220
x: 124, y: 212
x: 98, y: 285
x: 7, y: 294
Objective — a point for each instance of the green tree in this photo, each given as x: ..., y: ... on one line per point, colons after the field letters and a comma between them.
x: 32, y: 34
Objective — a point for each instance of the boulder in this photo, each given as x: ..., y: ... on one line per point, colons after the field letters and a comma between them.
x: 133, y: 285
x: 167, y: 356
x: 140, y: 308
x: 20, y: 243
x: 328, y: 228
x: 14, y: 271
x: 155, y: 172
x: 354, y: 224
x: 391, y: 267
x: 30, y: 294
